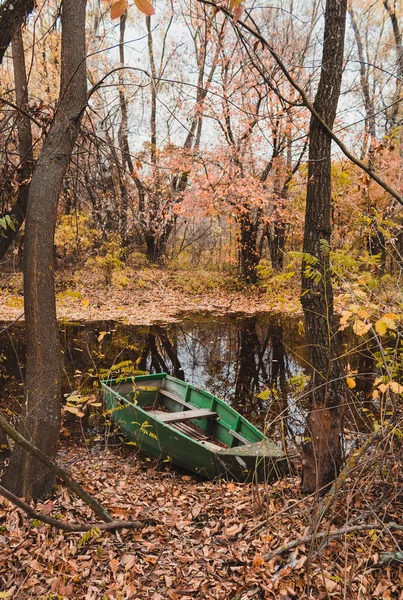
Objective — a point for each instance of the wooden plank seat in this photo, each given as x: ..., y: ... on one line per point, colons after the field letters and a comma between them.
x: 175, y: 397
x: 239, y: 437
x: 186, y: 415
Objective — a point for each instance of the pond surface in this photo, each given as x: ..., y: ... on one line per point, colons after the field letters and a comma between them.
x: 255, y: 363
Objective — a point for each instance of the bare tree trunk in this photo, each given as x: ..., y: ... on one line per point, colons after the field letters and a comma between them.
x: 395, y: 110
x: 12, y: 15
x: 322, y: 452
x: 26, y: 475
x: 26, y: 165
x: 123, y: 137
x: 369, y: 105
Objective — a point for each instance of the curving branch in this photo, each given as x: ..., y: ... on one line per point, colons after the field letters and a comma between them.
x: 242, y: 25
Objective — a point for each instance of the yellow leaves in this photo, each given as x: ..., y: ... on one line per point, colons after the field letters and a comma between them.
x: 351, y: 382
x: 74, y: 410
x: 388, y: 321
x: 380, y: 327
x: 360, y: 327
x: 118, y: 9
x: 233, y: 3
x: 380, y: 387
x: 345, y: 316
x: 361, y: 324
x: 396, y: 387
x: 145, y: 7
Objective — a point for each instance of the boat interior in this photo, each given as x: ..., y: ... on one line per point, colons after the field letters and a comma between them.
x: 195, y: 413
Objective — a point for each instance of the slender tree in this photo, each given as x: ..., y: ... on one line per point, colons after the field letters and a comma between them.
x: 12, y: 15
x: 26, y: 476
x: 322, y: 452
x: 26, y: 159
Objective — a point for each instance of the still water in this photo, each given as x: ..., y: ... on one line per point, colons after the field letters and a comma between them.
x: 256, y: 363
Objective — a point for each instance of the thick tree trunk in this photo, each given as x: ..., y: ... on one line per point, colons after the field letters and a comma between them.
x: 322, y: 452
x: 26, y: 165
x: 26, y: 475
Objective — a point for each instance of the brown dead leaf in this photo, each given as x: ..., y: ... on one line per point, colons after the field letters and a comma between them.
x: 330, y: 584
x: 233, y: 530
x: 258, y: 560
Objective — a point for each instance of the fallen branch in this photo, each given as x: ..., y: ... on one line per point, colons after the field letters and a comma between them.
x: 331, y: 535
x: 60, y: 472
x: 70, y: 527
x: 387, y: 558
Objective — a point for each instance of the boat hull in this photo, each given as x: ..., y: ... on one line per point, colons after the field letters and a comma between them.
x: 220, y: 442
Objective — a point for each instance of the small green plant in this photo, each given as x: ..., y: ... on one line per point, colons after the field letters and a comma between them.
x: 6, y: 223
x: 109, y: 262
x: 92, y: 534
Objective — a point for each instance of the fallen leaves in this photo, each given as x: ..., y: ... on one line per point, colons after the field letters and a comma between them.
x: 161, y: 296
x: 207, y: 541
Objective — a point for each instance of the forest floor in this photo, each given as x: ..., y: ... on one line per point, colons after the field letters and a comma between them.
x: 148, y: 296
x: 201, y: 540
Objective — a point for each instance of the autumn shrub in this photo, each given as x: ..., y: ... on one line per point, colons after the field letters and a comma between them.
x: 137, y: 260
x: 203, y: 281
x: 109, y: 261
x: 277, y: 283
x: 75, y: 237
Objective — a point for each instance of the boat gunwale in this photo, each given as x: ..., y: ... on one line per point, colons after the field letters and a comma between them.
x: 162, y: 423
x: 194, y: 388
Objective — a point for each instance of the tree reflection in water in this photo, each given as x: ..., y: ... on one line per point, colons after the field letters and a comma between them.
x: 252, y: 362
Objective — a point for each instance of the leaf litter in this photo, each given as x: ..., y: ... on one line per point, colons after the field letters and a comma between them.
x: 201, y: 539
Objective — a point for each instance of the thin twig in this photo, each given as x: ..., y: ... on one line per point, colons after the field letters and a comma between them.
x: 332, y: 535
x: 11, y: 324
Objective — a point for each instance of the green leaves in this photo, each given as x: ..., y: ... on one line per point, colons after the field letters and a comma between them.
x: 6, y: 222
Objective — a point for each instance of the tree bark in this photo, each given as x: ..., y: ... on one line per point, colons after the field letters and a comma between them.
x: 123, y: 137
x: 12, y: 15
x: 26, y: 475
x: 322, y: 451
x: 26, y: 165
x: 248, y: 251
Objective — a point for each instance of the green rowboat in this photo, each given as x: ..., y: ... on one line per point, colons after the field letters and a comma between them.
x: 176, y: 421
